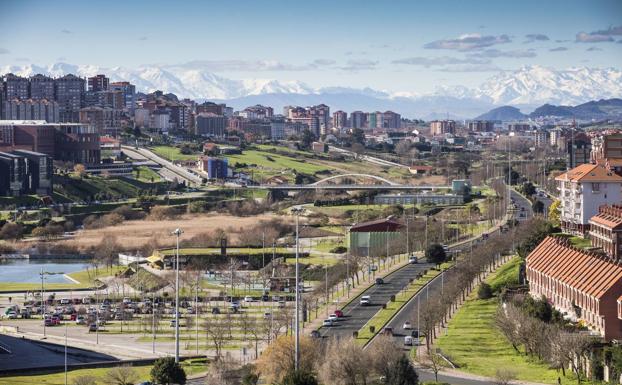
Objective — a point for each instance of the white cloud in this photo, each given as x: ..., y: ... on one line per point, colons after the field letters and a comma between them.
x: 468, y: 42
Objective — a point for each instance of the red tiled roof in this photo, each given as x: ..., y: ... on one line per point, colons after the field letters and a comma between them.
x: 581, y: 270
x: 589, y: 173
x: 608, y: 216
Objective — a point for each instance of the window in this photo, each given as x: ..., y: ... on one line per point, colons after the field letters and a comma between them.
x: 595, y: 187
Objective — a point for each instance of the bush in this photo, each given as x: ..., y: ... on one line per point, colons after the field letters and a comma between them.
x: 197, y: 207
x: 163, y: 212
x: 435, y: 254
x: 484, y: 291
x: 167, y: 371
x: 11, y: 231
x: 299, y: 378
x: 339, y: 250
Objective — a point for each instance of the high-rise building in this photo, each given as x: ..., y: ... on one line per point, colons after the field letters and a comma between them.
x: 13, y: 172
x: 129, y: 94
x: 340, y: 120
x: 372, y: 120
x: 41, y: 87
x: 98, y: 83
x: 481, y: 126
x: 70, y: 97
x: 105, y: 120
x: 15, y: 87
x: 358, y: 119
x: 32, y: 109
x: 209, y: 124
x: 442, y: 127
x: 277, y: 128
x: 391, y: 120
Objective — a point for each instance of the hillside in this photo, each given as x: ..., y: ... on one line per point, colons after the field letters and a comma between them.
x: 502, y: 113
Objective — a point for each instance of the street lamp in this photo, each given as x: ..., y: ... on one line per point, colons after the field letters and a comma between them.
x: 44, y: 301
x: 178, y: 232
x: 297, y: 212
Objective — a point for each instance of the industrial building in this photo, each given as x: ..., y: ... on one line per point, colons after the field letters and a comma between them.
x: 371, y: 238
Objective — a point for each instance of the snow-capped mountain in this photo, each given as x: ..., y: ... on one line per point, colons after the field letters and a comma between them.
x: 527, y: 87
x: 535, y: 85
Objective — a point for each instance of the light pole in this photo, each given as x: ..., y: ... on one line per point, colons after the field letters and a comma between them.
x: 43, y: 300
x: 177, y: 233
x: 297, y: 212
x: 65, y: 352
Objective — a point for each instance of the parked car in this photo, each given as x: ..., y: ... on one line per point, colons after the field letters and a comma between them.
x: 339, y: 313
x: 93, y: 328
x: 48, y: 322
x: 327, y: 322
x: 365, y: 300
x: 80, y: 320
x: 215, y: 310
x: 412, y: 259
x: 11, y: 315
x: 65, y: 301
x: 414, y: 333
x: 407, y: 325
x: 408, y: 341
x: 248, y: 298
x: 265, y: 298
x: 379, y: 281
x: 333, y: 317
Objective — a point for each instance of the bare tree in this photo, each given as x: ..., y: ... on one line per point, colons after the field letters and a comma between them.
x: 121, y: 375
x: 345, y: 363
x: 216, y: 331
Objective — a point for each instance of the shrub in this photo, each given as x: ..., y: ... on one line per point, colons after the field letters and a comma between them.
x: 163, y: 212
x: 167, y: 371
x: 11, y: 231
x: 484, y: 291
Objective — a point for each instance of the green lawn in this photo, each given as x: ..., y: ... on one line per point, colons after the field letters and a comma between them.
x: 232, y: 250
x: 506, y: 275
x: 190, y: 366
x: 145, y: 174
x: 474, y: 343
x: 274, y: 162
x: 317, y: 260
x: 173, y: 153
x: 578, y: 242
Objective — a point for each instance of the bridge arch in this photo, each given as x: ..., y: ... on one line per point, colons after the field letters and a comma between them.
x: 375, y: 177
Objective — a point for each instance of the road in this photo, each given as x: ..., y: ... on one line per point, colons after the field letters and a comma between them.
x: 356, y: 315
x: 177, y: 171
x: 410, y: 311
x: 370, y: 159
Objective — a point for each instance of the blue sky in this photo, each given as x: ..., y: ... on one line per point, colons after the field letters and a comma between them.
x: 410, y: 46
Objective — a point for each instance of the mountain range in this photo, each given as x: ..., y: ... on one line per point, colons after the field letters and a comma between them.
x: 527, y: 88
x: 604, y: 109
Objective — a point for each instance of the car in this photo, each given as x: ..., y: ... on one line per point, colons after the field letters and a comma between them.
x: 445, y: 248
x: 522, y: 208
x: 315, y: 334
x: 387, y: 331
x: 333, y: 317
x: 65, y: 301
x: 80, y: 320
x: 365, y: 300
x: 327, y: 322
x: 265, y: 298
x: 267, y: 314
x: 407, y: 325
x: 248, y: 298
x: 412, y: 260
x: 281, y: 304
x: 48, y: 322
x: 86, y: 300
x: 127, y: 300
x: 215, y: 310
x: 172, y: 323
x: 379, y: 281
x: 93, y: 328
x: 339, y: 313
x: 146, y: 383
x: 11, y: 315
x: 408, y: 341
x: 414, y: 333
x: 522, y: 215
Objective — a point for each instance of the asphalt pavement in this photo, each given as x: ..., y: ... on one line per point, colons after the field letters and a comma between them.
x: 356, y: 315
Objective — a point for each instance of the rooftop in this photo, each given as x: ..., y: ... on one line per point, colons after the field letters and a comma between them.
x: 584, y: 271
x: 589, y: 173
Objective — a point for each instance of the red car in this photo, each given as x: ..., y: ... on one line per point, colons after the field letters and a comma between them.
x: 339, y: 313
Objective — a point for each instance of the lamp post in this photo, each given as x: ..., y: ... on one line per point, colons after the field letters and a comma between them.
x: 178, y: 232
x: 43, y: 300
x: 297, y: 212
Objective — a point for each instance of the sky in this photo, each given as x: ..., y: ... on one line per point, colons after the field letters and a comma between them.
x: 410, y: 46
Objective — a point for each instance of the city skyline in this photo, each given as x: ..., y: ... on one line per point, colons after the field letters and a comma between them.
x: 398, y: 48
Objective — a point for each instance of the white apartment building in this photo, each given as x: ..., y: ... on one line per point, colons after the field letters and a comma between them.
x: 582, y: 190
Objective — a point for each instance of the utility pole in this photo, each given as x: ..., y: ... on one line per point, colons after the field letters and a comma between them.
x: 177, y: 233
x: 297, y: 213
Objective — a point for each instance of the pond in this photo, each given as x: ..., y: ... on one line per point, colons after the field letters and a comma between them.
x: 27, y: 270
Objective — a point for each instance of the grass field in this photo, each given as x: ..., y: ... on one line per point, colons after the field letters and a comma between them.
x: 190, y: 367
x: 172, y: 153
x: 474, y: 343
x: 274, y: 162
x: 230, y: 250
x: 145, y: 174
x: 314, y: 260
x: 505, y: 275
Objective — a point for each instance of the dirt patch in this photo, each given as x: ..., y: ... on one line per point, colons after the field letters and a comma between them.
x: 132, y: 234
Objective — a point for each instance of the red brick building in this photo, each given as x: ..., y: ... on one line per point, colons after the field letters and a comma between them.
x: 584, y: 286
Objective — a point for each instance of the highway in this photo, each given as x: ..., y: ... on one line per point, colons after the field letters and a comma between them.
x: 173, y: 170
x: 356, y: 315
